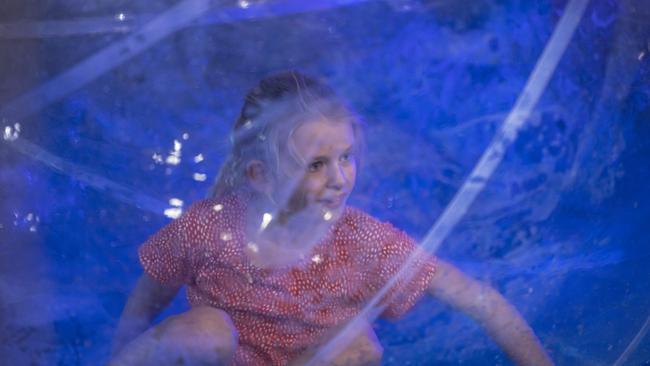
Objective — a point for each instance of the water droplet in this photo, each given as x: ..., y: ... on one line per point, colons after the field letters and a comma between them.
x: 176, y: 202
x: 157, y: 158
x: 173, y: 213
x: 253, y: 247
x: 266, y: 219
x: 11, y: 134
x: 173, y: 160
x: 199, y: 177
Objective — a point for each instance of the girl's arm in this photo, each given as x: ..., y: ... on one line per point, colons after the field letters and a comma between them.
x: 501, y: 320
x: 148, y: 299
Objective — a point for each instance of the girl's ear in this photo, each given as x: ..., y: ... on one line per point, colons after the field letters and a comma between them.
x: 258, y: 176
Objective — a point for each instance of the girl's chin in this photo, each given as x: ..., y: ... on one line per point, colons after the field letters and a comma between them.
x: 331, y: 213
x: 318, y: 212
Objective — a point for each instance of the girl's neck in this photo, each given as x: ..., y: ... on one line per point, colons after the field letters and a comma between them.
x: 276, y: 238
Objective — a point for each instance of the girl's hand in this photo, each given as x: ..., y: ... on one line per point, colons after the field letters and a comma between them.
x: 146, y: 301
x: 485, y: 305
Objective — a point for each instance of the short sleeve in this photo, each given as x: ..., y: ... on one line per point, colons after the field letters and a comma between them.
x: 166, y: 255
x: 394, y: 251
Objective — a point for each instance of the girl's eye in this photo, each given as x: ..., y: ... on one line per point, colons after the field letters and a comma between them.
x: 315, y: 166
x: 345, y: 157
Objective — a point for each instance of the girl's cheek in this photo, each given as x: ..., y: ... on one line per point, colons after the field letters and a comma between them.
x: 312, y: 180
x: 298, y: 201
x: 351, y: 173
x: 309, y: 189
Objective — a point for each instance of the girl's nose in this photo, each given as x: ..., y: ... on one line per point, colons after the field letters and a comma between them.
x: 336, y: 177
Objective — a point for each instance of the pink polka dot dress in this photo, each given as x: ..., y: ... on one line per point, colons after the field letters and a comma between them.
x: 281, y: 313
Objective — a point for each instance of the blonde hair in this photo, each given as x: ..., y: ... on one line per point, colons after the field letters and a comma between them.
x: 272, y: 111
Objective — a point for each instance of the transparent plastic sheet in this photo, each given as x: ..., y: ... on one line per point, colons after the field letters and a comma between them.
x: 101, y: 160
x: 476, y: 180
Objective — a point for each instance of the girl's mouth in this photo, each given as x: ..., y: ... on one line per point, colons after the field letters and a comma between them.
x: 334, y: 202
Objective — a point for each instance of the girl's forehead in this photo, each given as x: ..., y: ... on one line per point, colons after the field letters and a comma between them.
x: 321, y: 135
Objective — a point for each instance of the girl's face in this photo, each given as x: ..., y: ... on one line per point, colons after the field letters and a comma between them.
x: 328, y: 171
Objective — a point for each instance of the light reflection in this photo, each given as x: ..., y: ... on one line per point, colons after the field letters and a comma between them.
x: 186, y: 136
x: 157, y: 158
x: 121, y: 17
x: 243, y: 4
x: 11, y: 133
x: 173, y: 160
x: 199, y: 177
x: 253, y: 247
x: 198, y: 158
x: 641, y: 55
x: 174, y: 157
x: 226, y: 236
x: 266, y: 219
x: 327, y: 216
x: 174, y: 212
x: 316, y: 258
x: 30, y: 217
x: 218, y: 207
x: 176, y: 202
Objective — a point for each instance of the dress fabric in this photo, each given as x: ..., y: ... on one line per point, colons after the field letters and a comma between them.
x: 281, y: 313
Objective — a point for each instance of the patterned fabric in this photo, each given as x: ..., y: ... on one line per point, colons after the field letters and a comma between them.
x: 279, y: 313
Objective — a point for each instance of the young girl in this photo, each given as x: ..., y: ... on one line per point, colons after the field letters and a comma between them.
x: 274, y: 262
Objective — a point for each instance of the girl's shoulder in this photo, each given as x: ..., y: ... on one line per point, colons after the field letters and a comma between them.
x: 357, y: 218
x: 361, y: 225
x: 209, y: 213
x: 225, y: 205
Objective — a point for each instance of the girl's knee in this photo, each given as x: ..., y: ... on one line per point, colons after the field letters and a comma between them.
x: 371, y: 348
x: 202, y: 333
x: 209, y: 319
x: 364, y: 350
